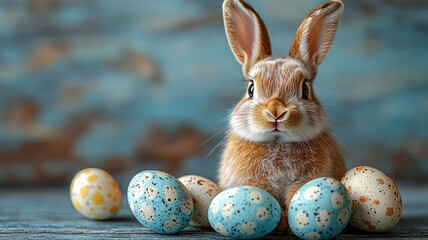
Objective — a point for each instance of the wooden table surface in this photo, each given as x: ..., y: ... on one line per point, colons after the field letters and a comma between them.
x: 48, y: 213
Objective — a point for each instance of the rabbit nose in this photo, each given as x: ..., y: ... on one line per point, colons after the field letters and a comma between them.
x: 276, y: 111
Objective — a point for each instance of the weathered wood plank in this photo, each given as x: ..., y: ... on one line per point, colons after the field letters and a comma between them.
x: 48, y: 213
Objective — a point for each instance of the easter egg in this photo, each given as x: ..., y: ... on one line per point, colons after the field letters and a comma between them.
x: 203, y: 192
x: 95, y: 194
x: 320, y: 209
x: 244, y: 213
x: 160, y: 202
x: 376, y: 200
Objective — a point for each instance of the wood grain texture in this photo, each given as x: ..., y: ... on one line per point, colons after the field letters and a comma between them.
x: 48, y: 214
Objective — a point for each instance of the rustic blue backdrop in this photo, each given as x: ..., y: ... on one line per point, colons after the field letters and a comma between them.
x: 132, y: 85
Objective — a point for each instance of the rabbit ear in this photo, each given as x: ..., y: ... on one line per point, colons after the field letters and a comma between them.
x: 315, y: 34
x: 246, y: 32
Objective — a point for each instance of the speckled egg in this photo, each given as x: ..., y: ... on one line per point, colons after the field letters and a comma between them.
x: 95, y: 194
x: 244, y: 213
x: 376, y: 200
x: 203, y: 191
x: 160, y: 202
x: 320, y: 209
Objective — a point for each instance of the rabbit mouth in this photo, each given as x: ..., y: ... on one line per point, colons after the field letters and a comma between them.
x: 276, y: 127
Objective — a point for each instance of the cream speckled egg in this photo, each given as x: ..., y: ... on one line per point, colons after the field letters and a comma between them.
x: 203, y: 191
x: 376, y: 200
x: 95, y: 194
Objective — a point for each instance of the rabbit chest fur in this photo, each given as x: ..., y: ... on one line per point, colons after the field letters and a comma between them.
x: 275, y: 167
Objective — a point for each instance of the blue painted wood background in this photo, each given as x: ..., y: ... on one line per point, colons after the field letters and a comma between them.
x: 132, y: 85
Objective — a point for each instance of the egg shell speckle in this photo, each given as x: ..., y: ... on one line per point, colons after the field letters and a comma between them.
x: 244, y: 213
x: 320, y: 209
x: 95, y: 194
x: 376, y: 200
x: 160, y: 202
x: 203, y: 191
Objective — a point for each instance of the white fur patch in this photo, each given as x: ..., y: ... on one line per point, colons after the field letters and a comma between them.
x: 242, y: 120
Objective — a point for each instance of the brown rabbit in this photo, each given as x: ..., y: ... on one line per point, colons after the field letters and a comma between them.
x: 279, y: 137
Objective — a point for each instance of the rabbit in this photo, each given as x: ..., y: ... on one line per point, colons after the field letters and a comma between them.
x: 279, y: 137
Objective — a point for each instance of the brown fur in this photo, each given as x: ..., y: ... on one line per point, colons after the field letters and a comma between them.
x: 314, y: 32
x: 318, y: 157
x: 238, y: 30
x: 278, y: 108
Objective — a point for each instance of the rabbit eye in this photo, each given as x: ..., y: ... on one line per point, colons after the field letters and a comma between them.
x: 251, y: 90
x: 305, y: 90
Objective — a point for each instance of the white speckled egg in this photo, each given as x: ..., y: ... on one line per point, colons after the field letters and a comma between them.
x: 203, y: 191
x: 95, y: 194
x: 244, y: 213
x: 160, y: 202
x: 376, y: 200
x: 320, y: 209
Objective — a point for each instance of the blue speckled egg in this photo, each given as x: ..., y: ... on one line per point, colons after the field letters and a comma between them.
x: 320, y: 209
x: 244, y: 213
x: 160, y: 202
